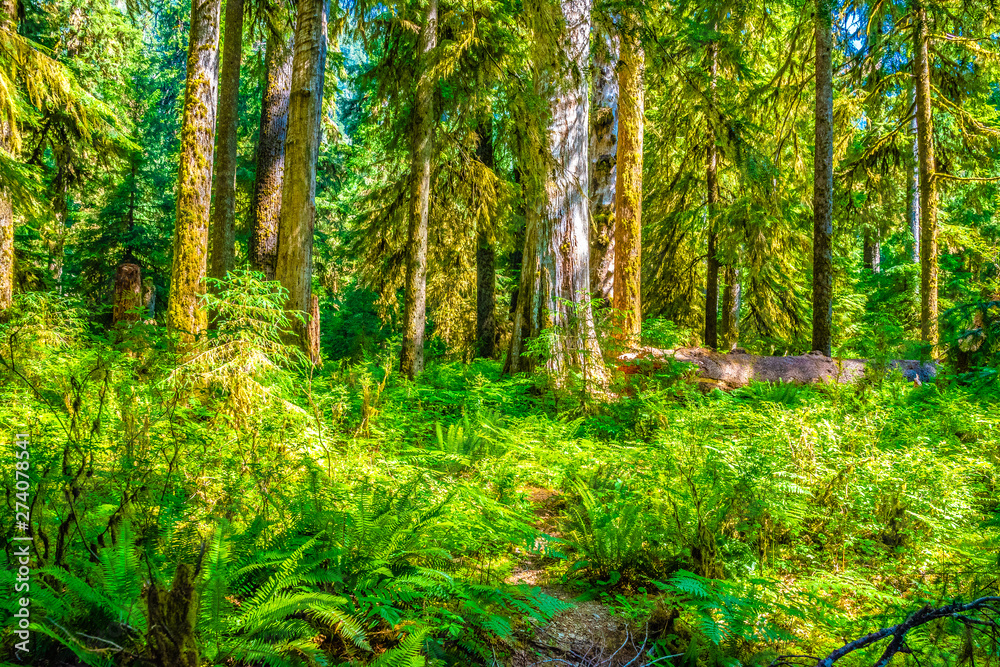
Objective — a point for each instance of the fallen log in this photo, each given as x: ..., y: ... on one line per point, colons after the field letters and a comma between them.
x: 738, y: 369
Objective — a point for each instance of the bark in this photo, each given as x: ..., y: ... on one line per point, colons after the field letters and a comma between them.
x: 298, y: 194
x: 928, y: 193
x: 603, y: 172
x: 224, y: 215
x: 555, y: 274
x: 628, y: 188
x: 913, y: 188
x: 822, y: 287
x: 265, y: 206
x: 313, y: 329
x: 128, y: 293
x: 194, y: 182
x: 730, y: 331
x: 8, y: 16
x: 872, y: 252
x: 486, y: 261
x: 421, y: 151
x: 173, y: 615
x: 712, y: 198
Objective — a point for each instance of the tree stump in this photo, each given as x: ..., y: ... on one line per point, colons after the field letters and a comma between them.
x: 128, y: 293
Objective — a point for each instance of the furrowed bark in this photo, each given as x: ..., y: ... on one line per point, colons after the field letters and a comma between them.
x: 555, y: 273
x: 265, y: 206
x: 913, y: 185
x: 822, y: 287
x: 411, y: 361
x: 928, y: 188
x: 224, y: 214
x: 603, y: 171
x: 486, y: 260
x: 712, y: 198
x: 298, y: 194
x: 194, y: 182
x: 628, y: 188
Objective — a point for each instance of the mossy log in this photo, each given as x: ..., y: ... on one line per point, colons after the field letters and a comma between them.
x: 738, y: 369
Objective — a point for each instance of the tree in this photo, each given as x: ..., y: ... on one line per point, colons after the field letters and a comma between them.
x: 603, y: 150
x: 265, y: 205
x: 224, y: 214
x: 928, y: 192
x: 298, y: 194
x: 421, y: 151
x: 8, y: 15
x: 628, y: 188
x: 194, y: 181
x: 822, y: 287
x: 486, y: 261
x: 555, y: 271
x: 712, y: 200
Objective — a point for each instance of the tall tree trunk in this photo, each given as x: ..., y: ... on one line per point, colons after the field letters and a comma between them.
x: 265, y: 206
x: 486, y: 262
x: 224, y: 215
x: 8, y: 17
x: 730, y: 333
x: 298, y: 194
x: 421, y: 151
x: 928, y: 189
x: 822, y: 287
x: 913, y: 186
x: 871, y: 252
x: 194, y: 182
x: 555, y: 274
x: 628, y: 187
x: 712, y: 199
x: 603, y: 171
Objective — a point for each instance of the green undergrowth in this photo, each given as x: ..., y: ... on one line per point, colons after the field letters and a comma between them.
x: 343, y: 515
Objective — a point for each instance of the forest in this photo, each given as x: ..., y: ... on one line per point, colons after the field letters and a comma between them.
x: 511, y: 333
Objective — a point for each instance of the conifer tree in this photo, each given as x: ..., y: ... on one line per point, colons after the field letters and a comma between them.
x: 194, y: 186
x: 823, y: 182
x: 298, y: 195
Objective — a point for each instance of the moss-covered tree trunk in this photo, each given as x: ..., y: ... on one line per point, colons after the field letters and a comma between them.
x: 603, y: 170
x: 928, y: 186
x: 729, y: 332
x: 913, y: 185
x: 194, y: 182
x: 411, y: 361
x: 8, y: 16
x: 822, y: 284
x: 173, y: 616
x: 265, y: 206
x: 128, y: 293
x: 298, y: 194
x: 224, y: 214
x: 486, y: 261
x: 555, y: 275
x: 712, y: 199
x: 628, y: 186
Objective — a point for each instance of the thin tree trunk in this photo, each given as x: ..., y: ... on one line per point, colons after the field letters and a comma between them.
x: 8, y: 15
x: 224, y: 215
x: 555, y: 274
x: 603, y: 172
x: 628, y: 188
x: 730, y: 333
x: 298, y: 195
x: 712, y: 198
x: 928, y: 194
x: 194, y: 182
x: 822, y: 287
x: 871, y: 252
x: 913, y: 187
x: 265, y: 206
x: 421, y: 151
x: 486, y: 261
